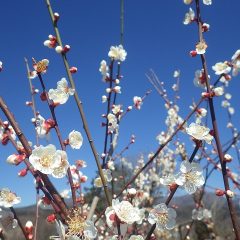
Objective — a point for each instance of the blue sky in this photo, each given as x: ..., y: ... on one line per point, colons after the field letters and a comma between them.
x: 154, y: 38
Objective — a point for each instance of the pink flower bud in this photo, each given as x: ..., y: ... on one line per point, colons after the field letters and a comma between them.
x: 73, y: 70
x: 193, y: 53
x: 219, y: 192
x: 51, y: 218
x: 23, y: 172
x: 83, y: 178
x: 56, y: 17
x: 29, y: 227
x: 29, y: 103
x: 66, y: 48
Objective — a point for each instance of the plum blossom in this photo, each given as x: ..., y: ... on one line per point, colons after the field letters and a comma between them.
x: 136, y: 237
x: 218, y: 91
x: 207, y: 2
x: 75, y: 139
x: 8, y: 198
x: 104, y: 70
x: 117, y: 53
x: 112, y: 123
x: 137, y: 102
x: 201, y: 213
x: 61, y: 170
x: 221, y: 68
x: 41, y: 66
x: 107, y: 175
x: 199, y: 79
x: 190, y: 176
x: 1, y: 66
x: 43, y: 126
x: 163, y: 216
x: 45, y: 159
x: 124, y: 211
x: 236, y: 63
x: 199, y: 132
x: 201, y: 47
x: 62, y: 93
x: 189, y: 17
x: 78, y: 228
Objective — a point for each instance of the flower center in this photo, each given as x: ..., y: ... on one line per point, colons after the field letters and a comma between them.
x: 46, y: 160
x: 10, y: 197
x: 162, y: 218
x: 191, y: 177
x: 41, y: 67
x: 76, y: 223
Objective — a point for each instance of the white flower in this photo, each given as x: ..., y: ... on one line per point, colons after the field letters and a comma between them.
x: 41, y: 66
x: 112, y: 123
x: 107, y: 175
x: 190, y: 176
x: 137, y: 102
x: 199, y: 132
x: 61, y: 170
x: 8, y: 198
x: 187, y: 2
x: 201, y: 47
x: 221, y: 68
x: 116, y: 109
x: 219, y: 91
x: 62, y: 93
x: 1, y: 66
x: 104, y: 69
x: 176, y: 74
x: 65, y: 193
x: 231, y: 110
x: 189, y: 17
x: 163, y: 216
x: 117, y: 53
x: 45, y: 159
x: 75, y: 139
x: 199, y: 79
x: 136, y: 237
x: 42, y: 127
x: 104, y: 98
x: 207, y: 2
x: 125, y: 211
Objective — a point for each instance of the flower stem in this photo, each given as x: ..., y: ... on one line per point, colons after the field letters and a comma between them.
x: 216, y: 132
x: 80, y: 106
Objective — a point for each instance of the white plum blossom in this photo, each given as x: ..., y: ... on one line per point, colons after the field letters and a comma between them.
x: 112, y: 123
x: 107, y: 175
x: 199, y: 79
x: 207, y: 2
x: 126, y: 212
x: 221, y: 68
x: 201, y: 47
x: 189, y: 17
x: 75, y: 139
x: 40, y: 67
x: 104, y: 69
x: 117, y: 53
x: 199, y: 132
x: 236, y: 62
x: 8, y: 198
x: 1, y: 66
x: 201, y: 213
x: 45, y: 159
x: 176, y: 74
x: 163, y: 216
x: 62, y: 93
x: 136, y: 237
x: 104, y: 98
x: 61, y: 170
x: 137, y: 102
x: 187, y: 2
x: 218, y: 91
x: 190, y: 176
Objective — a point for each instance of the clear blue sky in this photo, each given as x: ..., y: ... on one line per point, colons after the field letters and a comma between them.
x: 154, y: 38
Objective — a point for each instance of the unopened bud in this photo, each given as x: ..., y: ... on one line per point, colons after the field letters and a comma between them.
x: 73, y: 70
x: 56, y: 17
x: 219, y: 192
x: 193, y: 53
x: 230, y: 193
x: 66, y: 48
x: 22, y: 173
x: 227, y: 157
